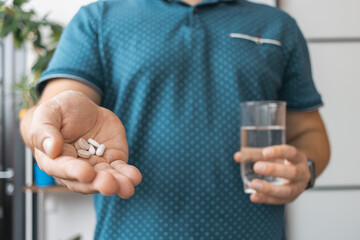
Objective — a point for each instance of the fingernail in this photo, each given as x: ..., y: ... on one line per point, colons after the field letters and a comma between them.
x: 257, y: 186
x: 260, y: 167
x: 48, y: 145
x: 269, y: 152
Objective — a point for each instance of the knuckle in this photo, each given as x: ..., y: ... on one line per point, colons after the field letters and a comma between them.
x: 294, y: 192
x: 274, y: 191
x: 32, y: 137
x: 290, y: 192
x: 278, y: 150
x: 292, y: 151
x: 270, y: 169
x: 293, y: 173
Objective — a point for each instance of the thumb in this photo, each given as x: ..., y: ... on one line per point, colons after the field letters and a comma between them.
x: 45, y: 129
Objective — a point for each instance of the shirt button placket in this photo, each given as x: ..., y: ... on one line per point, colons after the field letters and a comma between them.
x: 192, y: 13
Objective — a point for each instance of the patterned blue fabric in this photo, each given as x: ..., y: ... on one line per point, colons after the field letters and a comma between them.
x: 175, y: 77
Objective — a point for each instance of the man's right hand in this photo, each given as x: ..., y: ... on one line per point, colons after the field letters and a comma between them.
x: 59, y: 122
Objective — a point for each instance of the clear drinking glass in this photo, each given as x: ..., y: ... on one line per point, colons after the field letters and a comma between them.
x: 262, y: 125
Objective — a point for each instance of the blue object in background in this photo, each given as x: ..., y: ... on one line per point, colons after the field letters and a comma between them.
x: 42, y: 179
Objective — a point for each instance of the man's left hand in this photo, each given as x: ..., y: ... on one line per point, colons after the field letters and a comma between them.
x: 294, y: 171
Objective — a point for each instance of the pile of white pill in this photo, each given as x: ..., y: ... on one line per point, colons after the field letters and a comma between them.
x: 86, y: 149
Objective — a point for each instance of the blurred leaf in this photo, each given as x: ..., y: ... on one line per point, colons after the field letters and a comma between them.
x: 38, y: 40
x: 33, y: 94
x: 24, y: 25
x: 42, y: 61
x: 19, y: 2
x: 18, y: 39
x: 56, y: 32
x: 37, y: 75
x: 27, y: 92
x: 44, y: 19
x: 2, y: 14
x: 7, y: 26
x: 31, y: 27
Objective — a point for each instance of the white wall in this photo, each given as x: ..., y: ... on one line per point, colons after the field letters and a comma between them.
x: 60, y: 10
x: 269, y: 2
x: 325, y: 18
x: 332, y: 214
x: 66, y: 214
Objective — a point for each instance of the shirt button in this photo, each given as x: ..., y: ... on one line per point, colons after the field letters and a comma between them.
x: 195, y: 10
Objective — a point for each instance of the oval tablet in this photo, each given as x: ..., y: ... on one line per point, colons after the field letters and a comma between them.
x: 83, y: 144
x: 91, y: 150
x: 93, y: 142
x: 100, y: 150
x: 77, y: 146
x: 83, y: 153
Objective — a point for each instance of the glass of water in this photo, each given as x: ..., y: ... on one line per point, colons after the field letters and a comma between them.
x: 262, y: 125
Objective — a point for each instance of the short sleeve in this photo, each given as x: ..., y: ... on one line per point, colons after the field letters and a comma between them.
x: 298, y: 88
x: 77, y: 55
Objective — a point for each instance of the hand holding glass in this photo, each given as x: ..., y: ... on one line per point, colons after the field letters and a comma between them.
x: 262, y: 125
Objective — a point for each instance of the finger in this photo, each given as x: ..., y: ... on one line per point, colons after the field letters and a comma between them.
x: 276, y: 191
x: 283, y: 152
x: 105, y: 183
x: 251, y: 154
x: 266, y: 199
x: 129, y: 171
x: 65, y: 167
x: 45, y: 127
x: 75, y: 186
x: 275, y: 169
x: 125, y: 187
x: 237, y: 157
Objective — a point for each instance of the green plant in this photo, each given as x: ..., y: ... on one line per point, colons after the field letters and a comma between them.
x: 76, y: 238
x: 26, y: 26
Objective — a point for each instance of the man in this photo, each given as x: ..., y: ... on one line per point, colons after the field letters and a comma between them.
x: 174, y: 73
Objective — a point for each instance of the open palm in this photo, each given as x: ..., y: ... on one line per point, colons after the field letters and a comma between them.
x: 59, y: 123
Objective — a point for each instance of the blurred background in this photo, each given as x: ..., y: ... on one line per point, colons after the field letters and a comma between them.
x: 329, y: 211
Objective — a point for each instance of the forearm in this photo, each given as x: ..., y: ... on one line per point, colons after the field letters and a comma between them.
x: 314, y: 144
x: 309, y: 136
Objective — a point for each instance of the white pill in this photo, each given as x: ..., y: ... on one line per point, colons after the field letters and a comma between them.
x: 91, y: 150
x: 83, y: 153
x: 93, y: 142
x: 77, y: 146
x: 100, y: 150
x: 83, y: 144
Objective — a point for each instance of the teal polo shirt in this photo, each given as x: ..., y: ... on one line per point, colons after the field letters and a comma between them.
x: 175, y: 75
